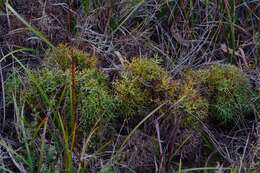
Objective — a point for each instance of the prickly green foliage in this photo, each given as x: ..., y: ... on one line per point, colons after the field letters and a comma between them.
x: 142, y: 83
x: 149, y: 73
x: 193, y: 106
x: 107, y: 169
x: 50, y: 81
x: 131, y: 97
x: 228, y: 91
x: 93, y: 96
x: 64, y: 55
x: 13, y: 87
x: 86, y: 6
x: 50, y: 153
x: 232, y: 89
x: 94, y: 99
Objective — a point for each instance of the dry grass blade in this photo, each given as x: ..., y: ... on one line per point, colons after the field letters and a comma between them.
x: 10, y: 150
x: 138, y: 125
x: 85, y: 144
x: 18, y: 166
x: 3, y: 96
x: 34, y: 30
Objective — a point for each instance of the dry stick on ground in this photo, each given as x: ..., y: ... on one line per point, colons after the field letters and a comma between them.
x: 85, y: 144
x: 162, y: 156
x: 223, y: 152
x: 170, y: 147
x: 3, y: 96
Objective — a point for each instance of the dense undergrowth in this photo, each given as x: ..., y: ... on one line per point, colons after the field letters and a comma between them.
x: 218, y: 93
x: 130, y: 86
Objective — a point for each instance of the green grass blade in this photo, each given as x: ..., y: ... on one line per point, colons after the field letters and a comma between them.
x: 15, y: 51
x: 34, y: 80
x: 68, y: 159
x: 13, y: 152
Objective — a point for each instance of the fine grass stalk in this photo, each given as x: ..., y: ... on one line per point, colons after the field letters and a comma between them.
x: 231, y: 14
x: 85, y: 144
x: 138, y: 125
x: 68, y: 153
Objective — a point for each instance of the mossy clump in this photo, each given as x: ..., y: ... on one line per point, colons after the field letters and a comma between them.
x: 149, y: 73
x: 36, y: 83
x: 227, y: 90
x: 95, y: 102
x: 64, y: 55
x: 131, y: 97
x: 92, y: 93
x: 193, y: 107
x: 142, y: 83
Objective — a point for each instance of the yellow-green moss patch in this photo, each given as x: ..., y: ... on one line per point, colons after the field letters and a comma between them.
x: 64, y: 55
x: 227, y: 90
x: 143, y: 83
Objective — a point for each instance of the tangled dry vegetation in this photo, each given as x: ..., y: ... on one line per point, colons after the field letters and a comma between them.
x: 115, y: 86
